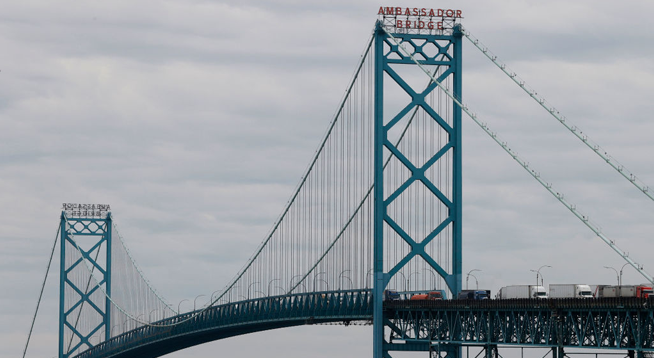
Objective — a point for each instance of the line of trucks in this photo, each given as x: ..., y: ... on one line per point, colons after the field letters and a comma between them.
x: 532, y: 291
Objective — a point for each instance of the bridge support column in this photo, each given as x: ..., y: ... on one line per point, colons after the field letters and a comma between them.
x: 635, y: 353
x: 491, y: 351
x: 558, y: 352
x: 442, y: 161
x: 85, y: 245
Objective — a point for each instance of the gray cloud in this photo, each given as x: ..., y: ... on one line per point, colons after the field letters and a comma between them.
x: 196, y: 119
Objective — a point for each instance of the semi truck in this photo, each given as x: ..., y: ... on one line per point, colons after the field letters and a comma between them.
x: 431, y: 296
x: 570, y: 291
x: 391, y: 295
x: 625, y: 291
x: 522, y: 291
x: 474, y: 295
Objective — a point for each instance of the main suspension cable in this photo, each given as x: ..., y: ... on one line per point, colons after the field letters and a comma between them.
x: 45, y: 279
x: 536, y: 175
x: 562, y: 119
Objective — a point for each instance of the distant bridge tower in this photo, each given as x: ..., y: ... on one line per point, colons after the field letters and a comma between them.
x: 433, y: 168
x: 83, y: 308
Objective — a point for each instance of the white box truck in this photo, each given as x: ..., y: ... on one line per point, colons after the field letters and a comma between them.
x: 522, y: 291
x: 570, y: 291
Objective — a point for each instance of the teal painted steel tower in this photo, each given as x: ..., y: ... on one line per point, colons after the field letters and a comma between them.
x: 84, y: 309
x: 439, y: 50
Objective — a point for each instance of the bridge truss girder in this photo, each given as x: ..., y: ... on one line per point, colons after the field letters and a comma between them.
x: 624, y: 324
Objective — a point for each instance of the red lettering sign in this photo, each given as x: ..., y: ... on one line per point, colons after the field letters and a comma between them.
x: 419, y: 18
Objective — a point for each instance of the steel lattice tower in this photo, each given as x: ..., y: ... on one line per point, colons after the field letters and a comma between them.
x: 85, y: 238
x: 389, y: 55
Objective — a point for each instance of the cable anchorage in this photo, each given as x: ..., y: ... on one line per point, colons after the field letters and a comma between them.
x: 557, y: 194
x: 556, y: 114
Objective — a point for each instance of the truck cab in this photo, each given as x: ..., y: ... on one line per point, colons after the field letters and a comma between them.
x: 644, y: 291
x: 538, y: 292
x: 474, y: 295
x: 391, y: 295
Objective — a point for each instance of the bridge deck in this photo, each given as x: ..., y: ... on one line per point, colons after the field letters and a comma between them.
x: 618, y: 323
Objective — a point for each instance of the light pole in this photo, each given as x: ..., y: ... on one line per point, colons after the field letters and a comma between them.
x: 616, y: 273
x: 405, y: 280
x: 622, y: 268
x: 368, y: 273
x: 434, y: 275
x: 476, y: 282
x: 340, y: 277
x: 252, y: 284
x: 271, y: 281
x: 539, y: 274
x: 150, y: 315
x: 137, y: 321
x: 230, y: 293
x: 290, y: 283
x: 469, y: 274
x: 196, y: 298
x: 303, y: 285
x: 211, y: 299
x: 408, y: 280
x: 179, y: 304
x: 314, y: 280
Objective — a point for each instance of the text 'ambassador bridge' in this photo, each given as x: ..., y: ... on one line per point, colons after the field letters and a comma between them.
x: 378, y: 208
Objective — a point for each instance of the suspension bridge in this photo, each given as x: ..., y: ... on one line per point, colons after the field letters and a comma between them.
x: 380, y: 201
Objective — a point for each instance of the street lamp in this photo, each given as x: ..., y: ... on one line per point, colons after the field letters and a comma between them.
x: 290, y: 284
x: 539, y: 274
x: 150, y: 315
x: 326, y: 283
x: 179, y: 304
x: 137, y: 321
x: 230, y: 293
x: 196, y: 298
x: 368, y: 273
x: 469, y: 274
x: 476, y: 282
x: 271, y: 281
x: 211, y: 299
x: 340, y: 277
x: 405, y: 280
x: 622, y: 268
x: 314, y: 280
x: 252, y: 284
x: 434, y: 275
x: 616, y: 273
x: 408, y: 281
x: 303, y: 285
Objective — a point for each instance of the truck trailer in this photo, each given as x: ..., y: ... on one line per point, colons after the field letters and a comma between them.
x: 430, y: 296
x: 522, y: 291
x: 626, y: 291
x: 570, y: 291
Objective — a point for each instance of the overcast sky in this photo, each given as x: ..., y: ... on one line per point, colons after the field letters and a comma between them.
x: 196, y: 119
